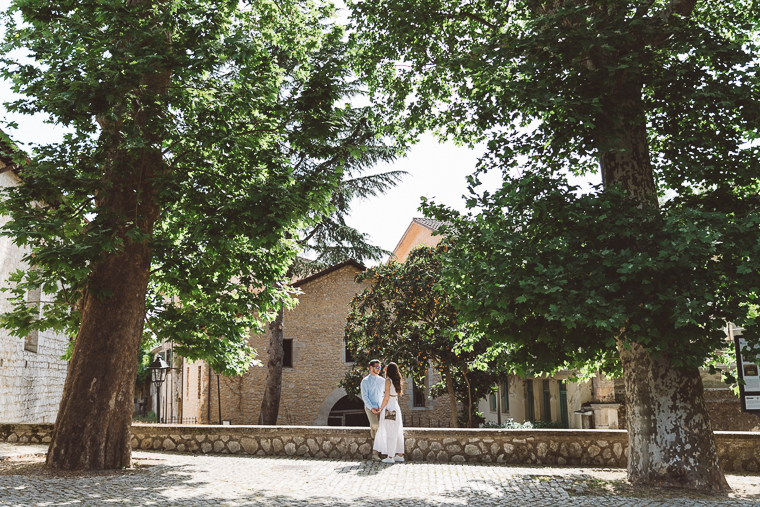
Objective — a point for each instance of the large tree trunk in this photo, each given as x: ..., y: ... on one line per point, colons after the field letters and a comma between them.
x: 92, y: 430
x: 452, y: 398
x: 670, y: 440
x: 270, y: 404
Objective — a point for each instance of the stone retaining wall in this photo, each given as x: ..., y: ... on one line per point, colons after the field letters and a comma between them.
x: 738, y: 451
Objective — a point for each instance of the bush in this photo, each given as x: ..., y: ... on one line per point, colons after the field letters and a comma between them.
x: 150, y: 417
x: 527, y: 425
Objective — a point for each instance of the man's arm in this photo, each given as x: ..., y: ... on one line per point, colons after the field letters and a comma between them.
x: 365, y: 395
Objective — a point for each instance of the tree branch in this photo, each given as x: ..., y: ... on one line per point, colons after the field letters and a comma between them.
x: 680, y: 7
x: 473, y: 17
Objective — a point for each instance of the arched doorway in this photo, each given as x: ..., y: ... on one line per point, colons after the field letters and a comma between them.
x: 348, y: 411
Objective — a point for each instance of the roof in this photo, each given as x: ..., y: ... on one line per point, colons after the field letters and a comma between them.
x: 7, y: 149
x: 336, y: 267
x: 5, y: 160
x: 429, y: 223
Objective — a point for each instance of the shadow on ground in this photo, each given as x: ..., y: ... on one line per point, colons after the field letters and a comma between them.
x: 265, y: 481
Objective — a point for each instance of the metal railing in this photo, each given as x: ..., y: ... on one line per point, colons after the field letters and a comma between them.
x: 178, y: 420
x: 422, y: 421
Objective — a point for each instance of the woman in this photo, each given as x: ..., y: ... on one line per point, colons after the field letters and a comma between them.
x: 390, y: 434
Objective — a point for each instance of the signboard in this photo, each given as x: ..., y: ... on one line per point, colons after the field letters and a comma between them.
x: 749, y: 393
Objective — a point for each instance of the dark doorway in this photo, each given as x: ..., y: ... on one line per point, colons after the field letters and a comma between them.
x: 348, y: 411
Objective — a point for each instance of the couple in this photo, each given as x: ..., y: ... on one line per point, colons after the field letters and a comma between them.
x: 380, y: 396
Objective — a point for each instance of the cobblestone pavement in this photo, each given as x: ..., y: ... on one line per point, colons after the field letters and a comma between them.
x: 186, y: 480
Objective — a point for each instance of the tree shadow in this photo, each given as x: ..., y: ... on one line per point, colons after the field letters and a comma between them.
x: 184, y: 479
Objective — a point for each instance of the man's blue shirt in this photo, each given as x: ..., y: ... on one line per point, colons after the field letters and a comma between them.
x: 373, y: 390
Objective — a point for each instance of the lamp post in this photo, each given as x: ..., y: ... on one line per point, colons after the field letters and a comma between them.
x: 158, y: 369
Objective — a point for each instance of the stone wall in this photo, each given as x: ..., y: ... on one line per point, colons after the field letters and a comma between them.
x: 31, y: 381
x: 724, y: 408
x: 738, y: 451
x: 726, y: 414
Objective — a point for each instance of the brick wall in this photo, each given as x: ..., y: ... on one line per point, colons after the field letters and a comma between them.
x: 31, y: 383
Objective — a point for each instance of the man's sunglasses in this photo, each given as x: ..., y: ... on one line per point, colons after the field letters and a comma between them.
x: 376, y: 367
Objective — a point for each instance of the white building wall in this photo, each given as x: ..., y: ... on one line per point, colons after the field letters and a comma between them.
x: 31, y: 383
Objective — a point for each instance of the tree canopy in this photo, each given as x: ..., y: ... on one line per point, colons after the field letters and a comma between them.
x: 552, y: 88
x: 540, y: 82
x: 205, y: 137
x: 657, y: 96
x: 543, y: 267
x: 253, y: 140
x: 405, y: 315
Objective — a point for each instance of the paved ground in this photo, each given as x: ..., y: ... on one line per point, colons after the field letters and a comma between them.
x: 8, y: 451
x: 182, y: 479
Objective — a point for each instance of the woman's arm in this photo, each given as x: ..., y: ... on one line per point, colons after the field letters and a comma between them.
x: 387, y: 394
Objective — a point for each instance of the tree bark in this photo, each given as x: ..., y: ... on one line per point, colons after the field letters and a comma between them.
x: 452, y: 398
x: 270, y: 404
x: 469, y: 398
x: 624, y: 156
x: 92, y: 429
x: 670, y: 439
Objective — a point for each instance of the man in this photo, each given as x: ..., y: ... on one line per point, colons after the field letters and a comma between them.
x: 373, y: 390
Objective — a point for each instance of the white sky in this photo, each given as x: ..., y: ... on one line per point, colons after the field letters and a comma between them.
x: 437, y: 171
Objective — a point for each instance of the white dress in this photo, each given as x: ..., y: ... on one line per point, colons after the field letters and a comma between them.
x: 389, y: 438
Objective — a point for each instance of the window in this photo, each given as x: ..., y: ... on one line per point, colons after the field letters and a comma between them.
x: 492, y: 400
x: 287, y: 356
x: 349, y: 352
x: 419, y: 393
x: 33, y: 301
x: 188, y: 381
x: 547, y: 402
x: 505, y: 397
x: 199, y: 382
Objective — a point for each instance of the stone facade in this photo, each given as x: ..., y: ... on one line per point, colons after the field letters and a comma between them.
x: 310, y: 385
x: 548, y: 398
x: 738, y: 451
x: 31, y: 371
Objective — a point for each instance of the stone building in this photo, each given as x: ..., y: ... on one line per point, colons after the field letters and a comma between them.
x: 31, y: 371
x: 555, y: 398
x: 315, y: 361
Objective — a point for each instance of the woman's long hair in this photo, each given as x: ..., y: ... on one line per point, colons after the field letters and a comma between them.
x: 395, y: 376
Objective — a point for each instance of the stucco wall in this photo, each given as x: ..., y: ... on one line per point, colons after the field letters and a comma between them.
x: 31, y: 383
x: 414, y: 236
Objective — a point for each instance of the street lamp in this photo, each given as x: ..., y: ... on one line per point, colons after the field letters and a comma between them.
x: 158, y: 369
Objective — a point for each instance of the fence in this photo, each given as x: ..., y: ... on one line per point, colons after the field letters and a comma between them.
x: 179, y: 420
x: 422, y: 421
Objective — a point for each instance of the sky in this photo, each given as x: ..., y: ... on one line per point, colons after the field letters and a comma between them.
x: 437, y: 171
